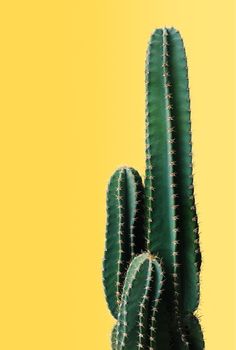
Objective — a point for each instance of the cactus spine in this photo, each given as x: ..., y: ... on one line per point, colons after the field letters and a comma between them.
x: 138, y: 253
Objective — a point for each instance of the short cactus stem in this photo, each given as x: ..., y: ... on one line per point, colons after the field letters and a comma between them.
x: 139, y: 304
x: 124, y: 237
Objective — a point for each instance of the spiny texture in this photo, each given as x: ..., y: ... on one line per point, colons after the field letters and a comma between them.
x: 125, y: 235
x: 171, y: 220
x: 151, y: 317
x: 139, y: 312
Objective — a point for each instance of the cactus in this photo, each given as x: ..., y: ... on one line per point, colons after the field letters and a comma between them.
x: 125, y: 231
x: 152, y: 259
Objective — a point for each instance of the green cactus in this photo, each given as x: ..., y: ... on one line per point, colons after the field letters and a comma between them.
x: 125, y: 231
x: 153, y: 231
x: 139, y: 309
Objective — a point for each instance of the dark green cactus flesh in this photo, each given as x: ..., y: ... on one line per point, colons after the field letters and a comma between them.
x: 160, y: 219
x: 125, y: 235
x: 172, y: 222
x: 141, y: 312
x: 193, y: 332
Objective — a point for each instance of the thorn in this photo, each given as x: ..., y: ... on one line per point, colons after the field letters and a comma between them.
x: 175, y: 242
x: 119, y: 197
x: 176, y: 264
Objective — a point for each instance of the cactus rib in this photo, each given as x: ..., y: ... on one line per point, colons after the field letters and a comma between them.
x: 142, y: 290
x: 169, y: 181
x: 124, y: 236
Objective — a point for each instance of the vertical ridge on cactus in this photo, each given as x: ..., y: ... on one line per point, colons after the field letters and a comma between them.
x: 125, y: 236
x: 165, y: 225
x: 140, y: 300
x: 113, y: 337
x: 169, y: 164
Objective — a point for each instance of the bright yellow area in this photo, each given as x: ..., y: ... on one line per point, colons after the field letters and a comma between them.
x: 72, y: 110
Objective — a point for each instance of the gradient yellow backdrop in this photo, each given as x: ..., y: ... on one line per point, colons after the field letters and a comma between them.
x: 72, y: 110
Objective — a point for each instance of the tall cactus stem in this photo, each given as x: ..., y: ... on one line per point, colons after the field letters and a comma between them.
x: 168, y: 183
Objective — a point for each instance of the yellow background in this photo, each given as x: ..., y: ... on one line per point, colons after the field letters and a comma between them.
x: 72, y: 110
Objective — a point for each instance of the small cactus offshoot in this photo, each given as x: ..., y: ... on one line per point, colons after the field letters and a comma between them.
x: 152, y: 258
